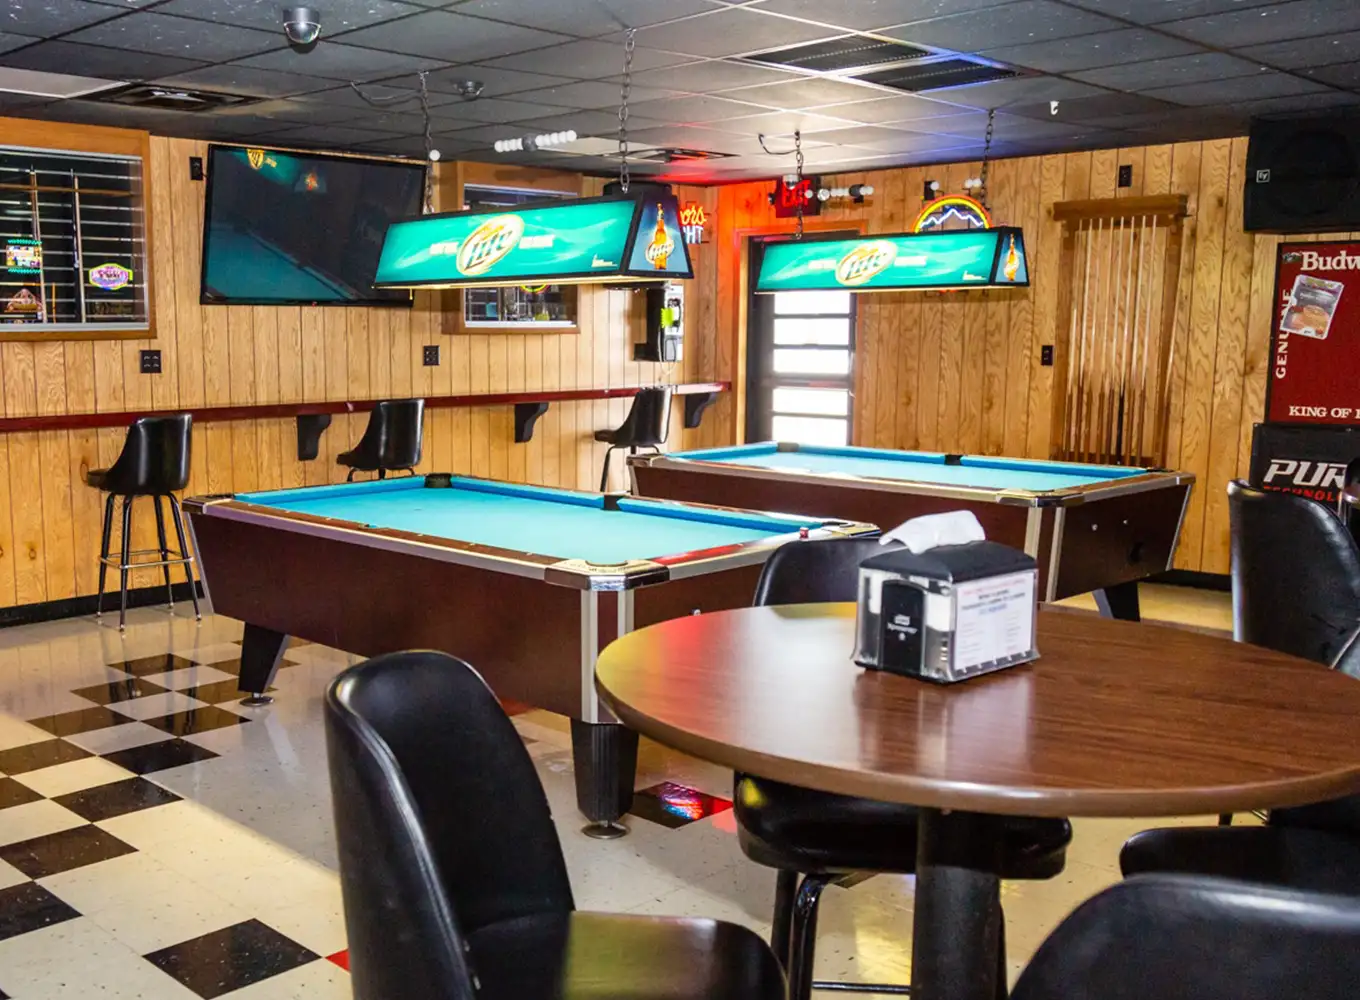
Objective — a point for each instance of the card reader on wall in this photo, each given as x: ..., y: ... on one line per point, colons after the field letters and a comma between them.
x: 664, y: 324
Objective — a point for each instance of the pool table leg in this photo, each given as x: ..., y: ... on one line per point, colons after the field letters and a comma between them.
x: 605, y: 759
x: 1119, y: 601
x: 261, y: 652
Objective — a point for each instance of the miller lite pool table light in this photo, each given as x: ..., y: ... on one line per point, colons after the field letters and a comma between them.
x: 611, y: 240
x: 895, y: 262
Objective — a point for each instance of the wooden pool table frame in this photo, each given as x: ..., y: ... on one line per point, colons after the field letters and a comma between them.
x: 1101, y: 538
x: 532, y: 625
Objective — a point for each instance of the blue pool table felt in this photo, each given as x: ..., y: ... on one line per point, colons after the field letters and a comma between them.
x: 919, y: 467
x: 558, y: 523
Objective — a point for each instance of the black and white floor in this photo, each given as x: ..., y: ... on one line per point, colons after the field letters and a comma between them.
x: 160, y: 841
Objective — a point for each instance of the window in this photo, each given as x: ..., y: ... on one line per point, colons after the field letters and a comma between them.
x: 73, y: 238
x: 800, y: 365
x: 537, y: 305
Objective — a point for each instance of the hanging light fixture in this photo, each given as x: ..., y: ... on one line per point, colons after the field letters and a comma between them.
x: 632, y: 237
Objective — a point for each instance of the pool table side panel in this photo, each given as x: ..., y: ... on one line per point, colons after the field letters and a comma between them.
x: 522, y: 635
x: 1118, y: 539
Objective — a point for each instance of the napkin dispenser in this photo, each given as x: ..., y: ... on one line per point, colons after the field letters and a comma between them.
x: 948, y: 613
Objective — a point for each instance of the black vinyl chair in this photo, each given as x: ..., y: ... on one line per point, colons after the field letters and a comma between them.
x: 1296, y: 589
x: 391, y: 441
x: 815, y: 838
x: 452, y: 874
x: 1177, y: 938
x: 647, y: 425
x: 154, y: 463
x: 1295, y: 574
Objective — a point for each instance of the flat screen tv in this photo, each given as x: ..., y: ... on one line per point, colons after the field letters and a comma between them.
x: 287, y: 228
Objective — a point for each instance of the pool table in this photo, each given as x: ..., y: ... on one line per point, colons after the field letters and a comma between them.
x: 1098, y: 528
x: 526, y: 583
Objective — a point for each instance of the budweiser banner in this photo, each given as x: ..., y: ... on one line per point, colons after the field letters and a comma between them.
x: 1309, y: 461
x: 1315, y: 350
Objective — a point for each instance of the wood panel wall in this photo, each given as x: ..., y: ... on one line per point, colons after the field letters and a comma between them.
x: 961, y: 372
x: 242, y: 355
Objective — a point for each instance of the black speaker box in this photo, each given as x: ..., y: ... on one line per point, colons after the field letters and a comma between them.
x: 1303, y: 175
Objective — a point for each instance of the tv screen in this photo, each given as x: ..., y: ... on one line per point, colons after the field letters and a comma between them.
x: 301, y: 228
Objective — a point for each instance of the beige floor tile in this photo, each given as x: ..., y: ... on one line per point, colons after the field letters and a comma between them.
x: 35, y: 819
x: 73, y: 776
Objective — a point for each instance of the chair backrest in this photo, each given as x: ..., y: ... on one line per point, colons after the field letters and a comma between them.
x: 649, y: 418
x: 403, y: 432
x: 814, y: 571
x: 155, y: 458
x: 1174, y: 936
x: 441, y: 822
x: 1295, y: 574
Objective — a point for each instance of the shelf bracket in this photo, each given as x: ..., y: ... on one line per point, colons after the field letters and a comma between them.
x: 695, y: 405
x: 526, y: 416
x: 309, y: 429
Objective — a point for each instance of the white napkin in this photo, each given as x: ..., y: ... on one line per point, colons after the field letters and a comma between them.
x: 920, y: 534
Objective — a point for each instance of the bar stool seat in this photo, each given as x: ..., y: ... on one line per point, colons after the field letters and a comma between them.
x: 154, y: 463
x: 392, y: 440
x: 647, y: 425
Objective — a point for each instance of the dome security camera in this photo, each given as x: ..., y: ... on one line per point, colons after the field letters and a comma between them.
x: 302, y: 25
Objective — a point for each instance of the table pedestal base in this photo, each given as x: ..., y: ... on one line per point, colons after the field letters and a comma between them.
x: 957, y: 926
x: 604, y: 756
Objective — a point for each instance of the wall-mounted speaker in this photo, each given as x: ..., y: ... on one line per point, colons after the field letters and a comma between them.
x: 1303, y: 176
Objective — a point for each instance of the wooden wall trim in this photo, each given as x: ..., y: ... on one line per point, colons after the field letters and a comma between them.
x: 1170, y: 206
x: 214, y: 414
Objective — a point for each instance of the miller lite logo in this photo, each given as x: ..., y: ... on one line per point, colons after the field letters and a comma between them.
x: 489, y: 242
x: 865, y: 261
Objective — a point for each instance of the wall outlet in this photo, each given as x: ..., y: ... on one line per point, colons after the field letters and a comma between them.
x: 431, y: 355
x: 195, y: 168
x: 1126, y: 175
x: 1046, y: 355
x: 151, y: 362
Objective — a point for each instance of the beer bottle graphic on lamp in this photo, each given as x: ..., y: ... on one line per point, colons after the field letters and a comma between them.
x: 659, y: 250
x: 1012, y: 266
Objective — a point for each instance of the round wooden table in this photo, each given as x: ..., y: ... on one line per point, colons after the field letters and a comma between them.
x: 1115, y: 719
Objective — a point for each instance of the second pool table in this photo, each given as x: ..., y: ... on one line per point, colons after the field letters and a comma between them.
x: 526, y: 583
x: 1095, y: 528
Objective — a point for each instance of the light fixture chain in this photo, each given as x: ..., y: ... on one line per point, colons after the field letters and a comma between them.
x: 630, y: 41
x: 798, y: 189
x: 429, y: 142
x: 987, y: 154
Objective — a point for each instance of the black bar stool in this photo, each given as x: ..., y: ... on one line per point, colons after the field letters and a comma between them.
x: 154, y: 463
x: 647, y: 425
x: 391, y: 441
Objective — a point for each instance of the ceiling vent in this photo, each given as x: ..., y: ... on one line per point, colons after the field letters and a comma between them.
x: 841, y: 55
x: 898, y: 65
x: 676, y: 155
x: 148, y: 95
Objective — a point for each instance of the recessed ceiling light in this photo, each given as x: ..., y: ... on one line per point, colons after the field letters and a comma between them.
x: 29, y: 81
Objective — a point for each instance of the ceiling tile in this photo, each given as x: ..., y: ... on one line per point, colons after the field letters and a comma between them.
x: 1345, y: 74
x: 781, y: 123
x: 1332, y: 100
x: 339, y: 62
x: 450, y: 37
x: 1105, y: 48
x: 728, y: 32
x: 1004, y: 127
x: 446, y: 84
x: 1259, y: 25
x: 292, y: 111
x: 491, y: 110
x: 41, y: 18
x: 584, y: 122
x: 10, y: 42
x: 866, y: 15
x: 1013, y: 24
x: 1093, y: 109
x: 591, y: 94
x: 235, y: 79
x: 695, y: 109
x: 1239, y: 89
x: 806, y: 93
x: 890, y: 109
x: 1178, y: 71
x: 387, y: 96
x: 94, y: 60
x: 1302, y: 53
x: 1023, y: 90
x: 586, y: 17
x: 336, y: 15
x: 712, y: 76
x: 334, y: 135
x: 162, y: 34
x: 1156, y: 11
x: 698, y: 137
x: 586, y: 60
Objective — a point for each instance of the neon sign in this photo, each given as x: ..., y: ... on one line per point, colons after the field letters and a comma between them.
x: 787, y: 197
x: 952, y: 211
x: 694, y: 223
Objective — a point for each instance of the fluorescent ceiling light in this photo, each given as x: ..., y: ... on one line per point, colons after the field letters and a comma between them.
x: 30, y: 81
